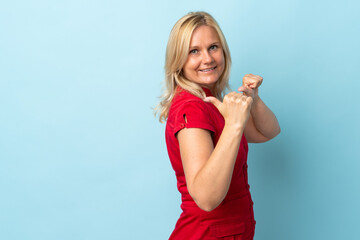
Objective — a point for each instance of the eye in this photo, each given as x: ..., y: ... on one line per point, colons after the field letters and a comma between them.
x: 193, y: 51
x: 213, y: 47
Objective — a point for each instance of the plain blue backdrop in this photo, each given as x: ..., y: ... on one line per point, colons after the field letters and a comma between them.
x: 83, y: 157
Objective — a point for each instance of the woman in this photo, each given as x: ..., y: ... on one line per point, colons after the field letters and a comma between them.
x: 207, y: 134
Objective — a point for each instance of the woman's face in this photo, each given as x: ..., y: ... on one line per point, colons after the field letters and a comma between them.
x: 205, y: 62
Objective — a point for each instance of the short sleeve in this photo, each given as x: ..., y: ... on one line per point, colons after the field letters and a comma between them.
x: 197, y: 116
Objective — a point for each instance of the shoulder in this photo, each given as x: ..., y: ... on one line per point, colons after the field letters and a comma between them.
x: 184, y: 99
x: 191, y: 113
x: 183, y: 95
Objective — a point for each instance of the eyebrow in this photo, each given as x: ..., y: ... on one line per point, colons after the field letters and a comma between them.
x: 209, y: 45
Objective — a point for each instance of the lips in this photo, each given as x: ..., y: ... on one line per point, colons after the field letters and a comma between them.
x: 207, y: 69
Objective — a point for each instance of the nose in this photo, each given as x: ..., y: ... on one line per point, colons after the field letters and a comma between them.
x: 207, y: 58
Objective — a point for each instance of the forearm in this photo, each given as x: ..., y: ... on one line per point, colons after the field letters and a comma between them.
x: 264, y: 119
x: 212, y: 182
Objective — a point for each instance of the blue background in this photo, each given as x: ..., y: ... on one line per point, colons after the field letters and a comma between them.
x: 82, y: 156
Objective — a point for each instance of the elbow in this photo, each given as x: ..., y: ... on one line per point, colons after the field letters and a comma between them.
x: 206, y: 201
x: 207, y: 207
x: 276, y: 132
x: 206, y: 204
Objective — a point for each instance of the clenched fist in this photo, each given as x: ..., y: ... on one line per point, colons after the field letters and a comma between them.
x: 251, y: 85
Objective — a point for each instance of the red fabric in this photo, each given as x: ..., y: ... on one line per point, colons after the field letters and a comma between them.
x: 234, y: 217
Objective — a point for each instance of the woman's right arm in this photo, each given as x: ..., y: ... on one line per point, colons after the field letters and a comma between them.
x: 208, y: 170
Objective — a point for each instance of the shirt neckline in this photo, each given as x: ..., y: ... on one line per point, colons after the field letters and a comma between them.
x: 207, y: 91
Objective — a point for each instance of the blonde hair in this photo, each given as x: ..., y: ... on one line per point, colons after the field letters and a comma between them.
x: 176, y: 55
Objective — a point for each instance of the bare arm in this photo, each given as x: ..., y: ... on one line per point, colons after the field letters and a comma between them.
x: 208, y: 170
x: 263, y: 124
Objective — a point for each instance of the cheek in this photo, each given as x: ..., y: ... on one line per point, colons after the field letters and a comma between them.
x: 221, y: 59
x: 190, y: 66
x: 222, y: 63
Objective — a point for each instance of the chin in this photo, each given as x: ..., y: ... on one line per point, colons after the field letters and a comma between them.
x: 209, y: 82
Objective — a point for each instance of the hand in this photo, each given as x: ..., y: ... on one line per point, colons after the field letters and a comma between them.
x: 250, y: 85
x: 235, y: 108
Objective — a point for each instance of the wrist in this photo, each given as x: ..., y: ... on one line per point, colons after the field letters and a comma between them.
x: 255, y: 103
x: 235, y: 129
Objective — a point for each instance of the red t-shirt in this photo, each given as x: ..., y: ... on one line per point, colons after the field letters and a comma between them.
x: 234, y: 217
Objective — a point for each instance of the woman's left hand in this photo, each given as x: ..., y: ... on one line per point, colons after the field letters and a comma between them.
x: 251, y: 85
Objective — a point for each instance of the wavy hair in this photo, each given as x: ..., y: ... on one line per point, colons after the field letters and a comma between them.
x: 177, y: 51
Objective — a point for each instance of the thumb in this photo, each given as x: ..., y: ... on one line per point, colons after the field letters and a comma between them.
x: 245, y: 89
x: 213, y: 100
x: 242, y: 89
